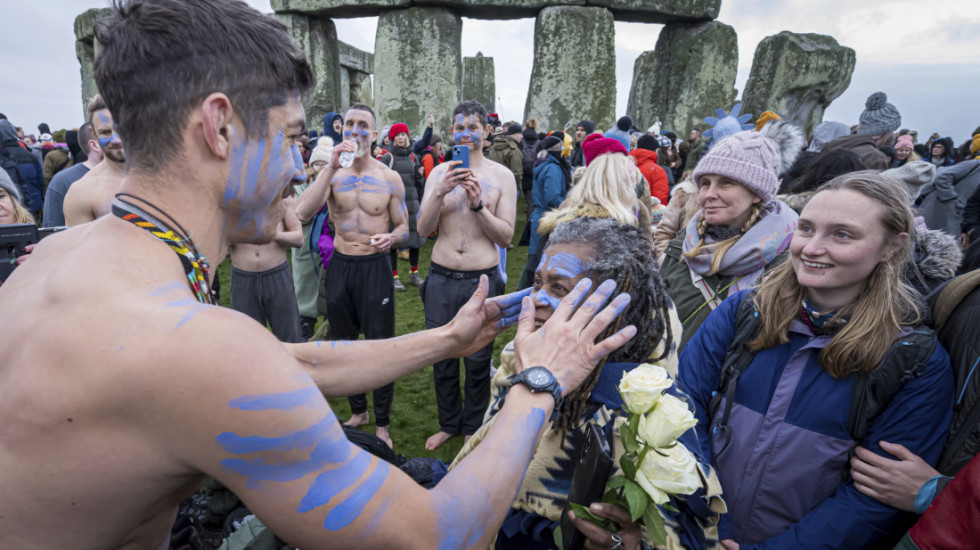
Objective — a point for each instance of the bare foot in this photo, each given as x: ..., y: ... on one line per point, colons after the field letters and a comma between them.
x: 358, y: 420
x: 435, y: 441
x: 382, y: 434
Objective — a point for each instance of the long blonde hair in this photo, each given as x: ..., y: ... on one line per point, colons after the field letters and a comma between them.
x: 21, y: 215
x: 607, y: 183
x: 876, y: 317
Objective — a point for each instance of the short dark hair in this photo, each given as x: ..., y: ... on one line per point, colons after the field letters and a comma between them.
x: 472, y: 107
x: 159, y: 58
x: 362, y: 107
x: 84, y: 135
x: 95, y: 105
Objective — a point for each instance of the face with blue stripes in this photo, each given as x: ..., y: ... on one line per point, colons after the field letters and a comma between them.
x: 262, y: 170
x: 562, y: 266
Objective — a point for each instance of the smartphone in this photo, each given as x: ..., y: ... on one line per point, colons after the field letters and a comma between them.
x: 13, y: 238
x: 588, y: 481
x: 462, y: 154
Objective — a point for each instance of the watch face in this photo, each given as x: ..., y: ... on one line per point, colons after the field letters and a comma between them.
x: 539, y: 376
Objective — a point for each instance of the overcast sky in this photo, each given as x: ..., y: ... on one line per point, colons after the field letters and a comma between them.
x: 926, y: 60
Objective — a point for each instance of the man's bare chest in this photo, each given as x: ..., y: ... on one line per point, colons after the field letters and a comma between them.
x: 368, y: 194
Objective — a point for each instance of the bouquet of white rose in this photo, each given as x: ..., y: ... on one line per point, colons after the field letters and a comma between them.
x: 654, y: 465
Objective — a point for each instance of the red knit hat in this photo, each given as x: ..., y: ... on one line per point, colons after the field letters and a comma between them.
x: 396, y: 129
x: 595, y: 145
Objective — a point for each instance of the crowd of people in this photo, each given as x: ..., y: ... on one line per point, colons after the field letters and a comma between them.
x: 812, y: 297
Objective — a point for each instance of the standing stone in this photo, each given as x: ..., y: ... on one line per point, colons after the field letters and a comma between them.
x: 479, y: 81
x: 797, y: 76
x: 660, y: 11
x: 317, y: 39
x: 574, y: 73
x: 693, y: 74
x: 360, y: 88
x: 417, y: 66
x: 642, y: 112
x: 85, y: 50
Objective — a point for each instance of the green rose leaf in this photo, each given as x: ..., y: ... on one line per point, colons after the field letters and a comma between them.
x: 654, y: 523
x: 626, y: 463
x: 616, y: 482
x: 612, y: 497
x: 637, y: 499
x: 557, y: 534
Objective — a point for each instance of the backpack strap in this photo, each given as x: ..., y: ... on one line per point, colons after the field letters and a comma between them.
x: 952, y: 295
x: 871, y: 393
x: 737, y: 359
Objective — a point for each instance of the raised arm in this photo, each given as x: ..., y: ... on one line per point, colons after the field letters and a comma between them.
x: 269, y: 435
x: 316, y: 195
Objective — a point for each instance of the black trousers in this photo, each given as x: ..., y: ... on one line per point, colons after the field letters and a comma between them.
x: 443, y: 293
x: 360, y: 297
x: 268, y: 297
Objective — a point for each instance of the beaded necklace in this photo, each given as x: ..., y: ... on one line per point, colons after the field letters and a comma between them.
x: 195, y: 264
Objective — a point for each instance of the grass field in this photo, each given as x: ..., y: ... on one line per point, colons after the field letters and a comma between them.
x: 413, y: 415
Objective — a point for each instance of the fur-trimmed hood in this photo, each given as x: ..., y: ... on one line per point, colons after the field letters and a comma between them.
x: 790, y: 139
x: 936, y: 256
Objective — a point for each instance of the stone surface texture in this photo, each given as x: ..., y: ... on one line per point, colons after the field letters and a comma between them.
x: 693, y: 75
x: 797, y: 76
x: 418, y: 67
x: 643, y: 84
x: 361, y: 88
x: 317, y: 38
x: 357, y: 59
x: 660, y: 11
x: 479, y: 81
x: 648, y: 11
x: 85, y: 47
x: 572, y: 83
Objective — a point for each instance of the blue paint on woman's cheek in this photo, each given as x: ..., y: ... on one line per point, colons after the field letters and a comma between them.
x: 351, y: 508
x: 301, y: 397
x: 543, y: 297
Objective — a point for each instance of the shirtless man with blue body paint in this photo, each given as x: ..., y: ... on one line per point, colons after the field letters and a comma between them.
x: 364, y: 201
x: 474, y: 209
x: 91, y: 196
x: 143, y: 391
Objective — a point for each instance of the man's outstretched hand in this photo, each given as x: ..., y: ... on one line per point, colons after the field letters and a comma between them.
x: 480, y: 320
x: 566, y: 343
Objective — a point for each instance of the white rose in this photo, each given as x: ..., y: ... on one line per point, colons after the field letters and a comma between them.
x: 674, y: 474
x: 642, y: 387
x: 666, y: 422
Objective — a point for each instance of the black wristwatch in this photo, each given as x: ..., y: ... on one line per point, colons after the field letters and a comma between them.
x: 477, y: 208
x: 540, y: 380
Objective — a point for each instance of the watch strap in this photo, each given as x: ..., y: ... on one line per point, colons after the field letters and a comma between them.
x: 477, y: 208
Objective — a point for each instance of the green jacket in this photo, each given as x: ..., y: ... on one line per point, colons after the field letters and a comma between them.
x: 687, y: 298
x: 507, y: 151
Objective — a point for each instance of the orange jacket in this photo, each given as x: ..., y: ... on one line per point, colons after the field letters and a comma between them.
x: 646, y: 161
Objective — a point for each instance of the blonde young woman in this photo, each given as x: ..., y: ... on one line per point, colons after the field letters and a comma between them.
x: 11, y: 209
x: 740, y: 232
x: 782, y: 436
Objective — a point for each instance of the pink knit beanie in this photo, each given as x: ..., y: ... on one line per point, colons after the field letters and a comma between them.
x: 748, y: 158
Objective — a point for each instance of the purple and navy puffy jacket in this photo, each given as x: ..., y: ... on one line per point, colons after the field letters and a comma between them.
x: 785, y: 472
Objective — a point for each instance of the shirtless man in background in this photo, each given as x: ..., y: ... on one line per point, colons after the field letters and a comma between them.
x: 363, y: 201
x: 261, y: 282
x: 107, y: 427
x: 474, y: 209
x: 91, y: 196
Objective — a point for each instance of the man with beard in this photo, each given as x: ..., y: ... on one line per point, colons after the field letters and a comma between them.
x: 91, y: 196
x: 363, y: 200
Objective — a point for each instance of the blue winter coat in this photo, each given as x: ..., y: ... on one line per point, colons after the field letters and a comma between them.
x: 547, y: 193
x: 783, y: 472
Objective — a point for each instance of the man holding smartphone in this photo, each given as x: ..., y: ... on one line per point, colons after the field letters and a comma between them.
x: 473, y: 202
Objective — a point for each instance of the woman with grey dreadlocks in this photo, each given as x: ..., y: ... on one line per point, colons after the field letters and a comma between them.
x: 598, y: 249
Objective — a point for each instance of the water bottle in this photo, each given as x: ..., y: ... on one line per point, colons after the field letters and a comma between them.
x: 347, y: 157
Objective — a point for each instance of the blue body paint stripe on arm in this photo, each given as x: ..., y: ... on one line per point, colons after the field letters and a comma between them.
x: 317, y: 433
x: 333, y: 482
x: 350, y: 509
x: 301, y: 397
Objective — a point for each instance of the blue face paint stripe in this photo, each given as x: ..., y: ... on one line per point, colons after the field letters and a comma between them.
x: 333, y: 482
x: 286, y: 400
x: 350, y: 509
x: 566, y: 265
x: 238, y: 154
x: 541, y: 264
x: 542, y: 296
x: 256, y: 153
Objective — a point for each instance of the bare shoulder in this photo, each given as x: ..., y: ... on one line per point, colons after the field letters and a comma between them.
x: 495, y: 172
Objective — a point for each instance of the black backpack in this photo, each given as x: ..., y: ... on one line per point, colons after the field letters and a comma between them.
x: 870, y: 395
